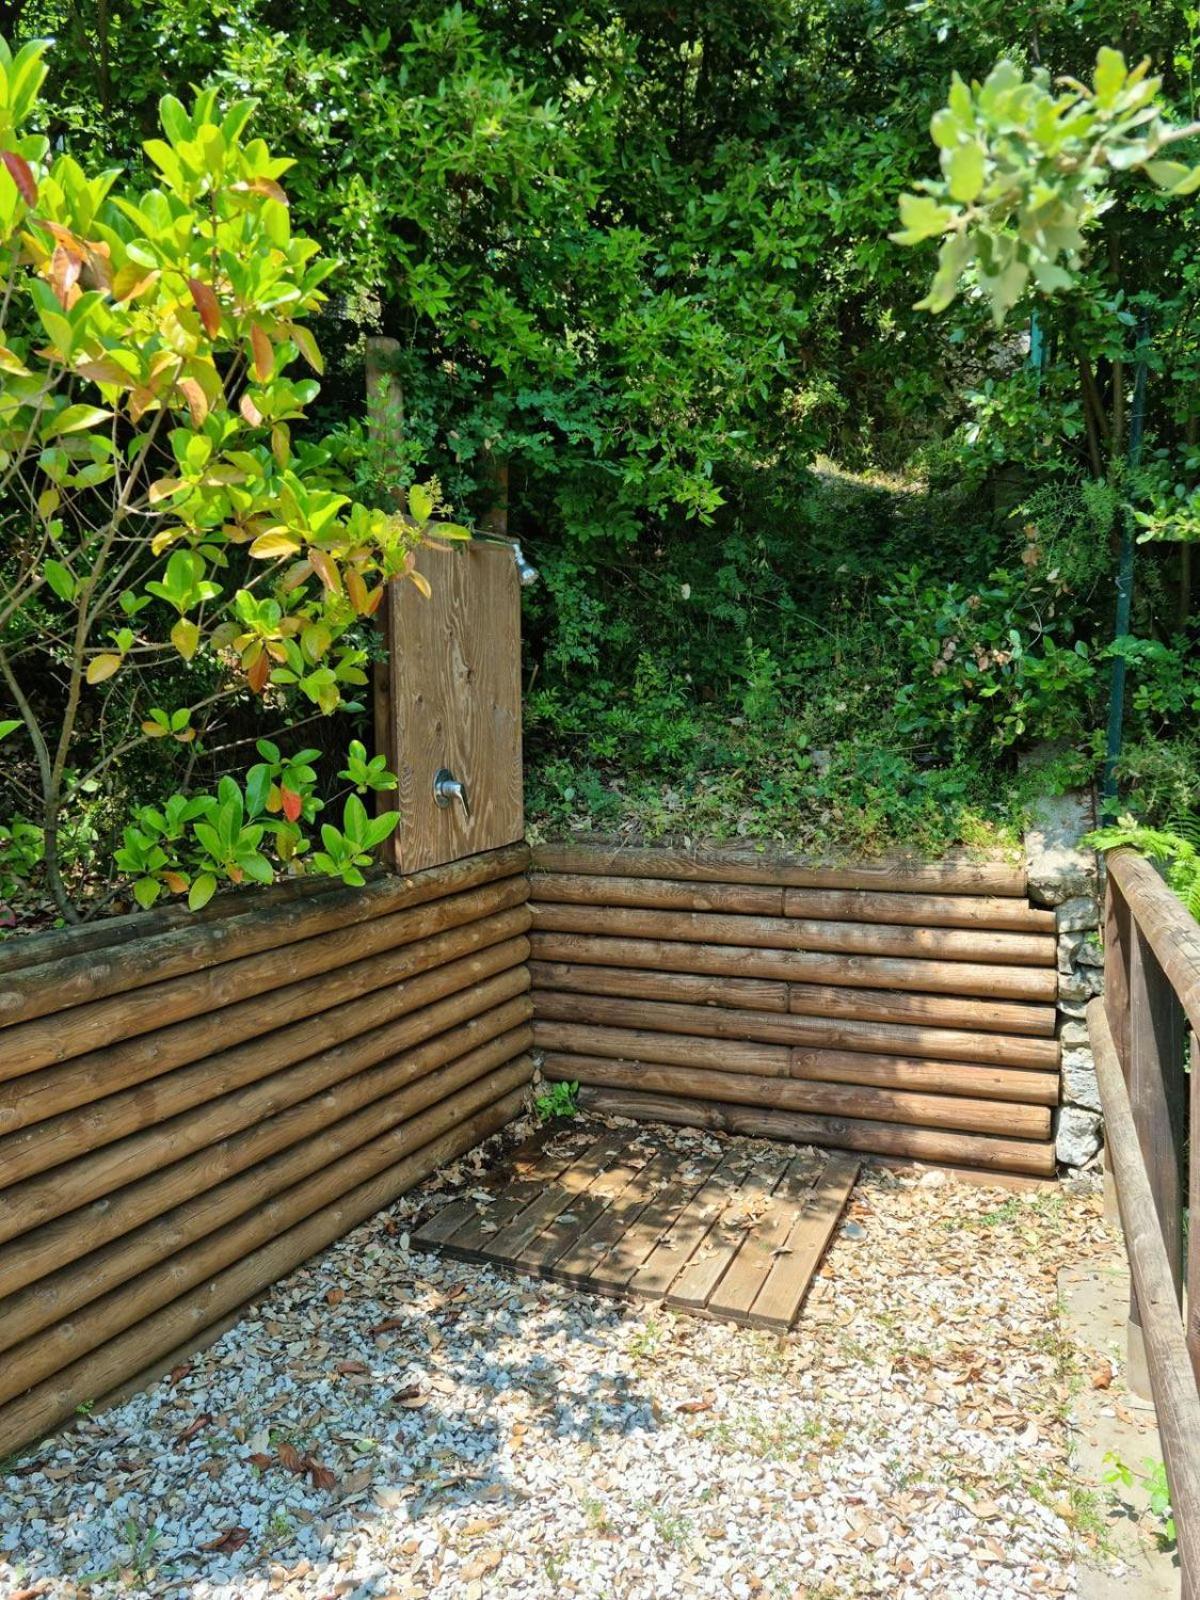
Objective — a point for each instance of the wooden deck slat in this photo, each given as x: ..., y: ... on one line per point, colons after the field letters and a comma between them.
x: 727, y: 1230
x: 781, y: 1296
x: 615, y: 1270
x: 469, y: 1225
x: 747, y: 1273
x: 509, y: 1242
x: 584, y: 1255
x: 694, y: 1286
x: 677, y: 1245
x: 561, y: 1235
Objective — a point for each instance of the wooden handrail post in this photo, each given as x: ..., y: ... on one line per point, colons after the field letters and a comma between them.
x: 1192, y: 1278
x: 1117, y: 953
x: 1157, y: 1093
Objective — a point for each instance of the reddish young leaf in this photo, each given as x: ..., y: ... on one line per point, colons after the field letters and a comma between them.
x: 259, y: 670
x: 292, y: 803
x: 264, y: 354
x: 250, y: 411
x: 326, y: 569
x: 207, y: 305
x: 63, y: 275
x: 21, y: 174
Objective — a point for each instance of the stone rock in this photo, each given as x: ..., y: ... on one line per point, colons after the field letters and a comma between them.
x: 1059, y: 870
x: 1069, y: 945
x: 1079, y: 1086
x: 1079, y: 915
x: 1091, y: 953
x: 1077, y: 1136
x: 1073, y: 1033
x: 1072, y: 988
x: 1071, y: 1008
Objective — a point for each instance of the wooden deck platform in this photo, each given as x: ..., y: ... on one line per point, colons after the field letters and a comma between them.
x: 727, y: 1229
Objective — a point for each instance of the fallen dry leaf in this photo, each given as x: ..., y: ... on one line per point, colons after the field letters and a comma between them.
x: 1102, y: 1375
x: 193, y: 1428
x: 227, y: 1542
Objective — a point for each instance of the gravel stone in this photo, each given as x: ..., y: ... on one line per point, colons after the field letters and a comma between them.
x: 390, y: 1423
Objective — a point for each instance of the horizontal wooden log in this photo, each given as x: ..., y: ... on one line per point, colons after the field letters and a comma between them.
x: 69, y: 969
x: 29, y: 1045
x: 834, y: 1033
x: 666, y: 894
x: 39, y: 1199
x: 56, y: 1296
x: 32, y: 1416
x: 967, y: 1079
x: 274, y: 1030
x: 1171, y: 932
x: 838, y: 1133
x: 751, y: 994
x: 1172, y: 1377
x: 822, y: 1099
x: 68, y: 1238
x: 925, y: 1010
x: 344, y: 1155
x: 793, y: 933
x: 638, y: 1044
x: 955, y: 875
x: 994, y: 912
x: 800, y: 966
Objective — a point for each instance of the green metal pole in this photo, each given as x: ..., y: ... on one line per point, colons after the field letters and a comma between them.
x: 1116, y: 698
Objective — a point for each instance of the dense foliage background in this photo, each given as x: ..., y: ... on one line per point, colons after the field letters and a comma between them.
x: 815, y: 564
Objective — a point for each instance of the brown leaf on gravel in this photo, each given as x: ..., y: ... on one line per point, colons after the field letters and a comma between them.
x: 289, y: 1457
x: 322, y: 1477
x: 344, y: 1368
x: 1102, y: 1375
x: 193, y: 1428
x: 227, y: 1542
x: 261, y: 1461
x: 388, y: 1325
x: 335, y: 1297
x: 690, y: 1407
x: 177, y: 1374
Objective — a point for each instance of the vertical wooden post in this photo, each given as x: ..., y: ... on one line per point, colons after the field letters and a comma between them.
x: 1116, y: 970
x: 385, y: 425
x: 1192, y: 1280
x: 1158, y: 1099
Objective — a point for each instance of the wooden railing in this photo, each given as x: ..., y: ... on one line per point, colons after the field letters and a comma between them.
x: 1139, y: 1035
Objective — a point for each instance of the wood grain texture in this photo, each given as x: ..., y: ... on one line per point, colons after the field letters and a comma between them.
x: 455, y: 681
x: 82, y: 964
x: 793, y: 933
x: 46, y: 1405
x: 884, y: 1138
x: 667, y: 894
x: 755, y: 994
x: 719, y: 1022
x: 953, y: 875
x: 1018, y: 1087
x: 1172, y: 1378
x: 920, y: 910
x: 73, y: 1235
x: 800, y: 966
x: 50, y: 1194
x: 355, y: 1149
x: 29, y: 1045
x: 473, y: 1050
x: 920, y: 1111
x: 1172, y: 934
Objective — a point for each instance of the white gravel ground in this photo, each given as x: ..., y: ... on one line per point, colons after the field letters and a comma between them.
x: 387, y: 1424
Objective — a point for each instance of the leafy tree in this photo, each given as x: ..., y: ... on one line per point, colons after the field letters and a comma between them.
x: 166, y: 546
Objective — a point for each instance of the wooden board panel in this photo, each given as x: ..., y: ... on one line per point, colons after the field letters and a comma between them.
x: 954, y: 874
x: 1033, y: 1157
x: 781, y: 1295
x: 653, y: 1216
x: 817, y: 1033
x: 455, y: 690
x: 796, y: 933
x: 800, y: 966
x: 736, y: 1293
